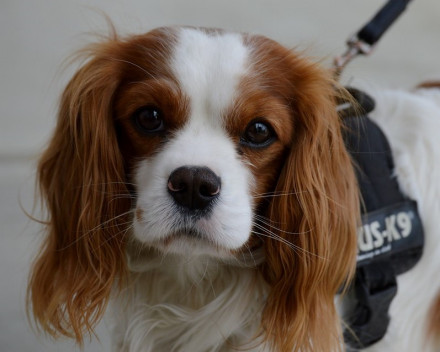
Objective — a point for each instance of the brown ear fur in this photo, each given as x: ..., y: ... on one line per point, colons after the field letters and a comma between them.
x: 321, y: 208
x: 82, y: 182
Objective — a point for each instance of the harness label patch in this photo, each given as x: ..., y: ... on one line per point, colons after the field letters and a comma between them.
x: 388, y: 231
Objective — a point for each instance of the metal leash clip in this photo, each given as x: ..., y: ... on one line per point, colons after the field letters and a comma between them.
x: 356, y: 47
x: 362, y: 42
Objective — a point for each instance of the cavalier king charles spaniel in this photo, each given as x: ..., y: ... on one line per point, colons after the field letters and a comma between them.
x: 199, y: 192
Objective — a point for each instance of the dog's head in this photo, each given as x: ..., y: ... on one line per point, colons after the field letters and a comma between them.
x: 198, y: 142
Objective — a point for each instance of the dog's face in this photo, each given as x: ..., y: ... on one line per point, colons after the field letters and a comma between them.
x: 198, y: 142
x: 204, y: 137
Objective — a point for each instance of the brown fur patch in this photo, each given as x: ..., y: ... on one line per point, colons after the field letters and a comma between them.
x: 429, y: 84
x: 434, y: 320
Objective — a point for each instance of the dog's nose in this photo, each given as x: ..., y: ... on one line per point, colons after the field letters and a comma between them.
x: 194, y: 187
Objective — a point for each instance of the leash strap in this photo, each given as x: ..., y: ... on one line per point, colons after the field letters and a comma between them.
x: 373, y: 30
x: 365, y: 39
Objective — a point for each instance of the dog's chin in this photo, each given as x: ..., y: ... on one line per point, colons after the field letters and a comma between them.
x: 191, y: 243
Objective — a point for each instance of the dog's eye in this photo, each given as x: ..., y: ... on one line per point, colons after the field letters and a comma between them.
x: 258, y: 134
x: 148, y: 119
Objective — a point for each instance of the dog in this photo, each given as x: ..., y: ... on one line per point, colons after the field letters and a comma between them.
x: 198, y: 186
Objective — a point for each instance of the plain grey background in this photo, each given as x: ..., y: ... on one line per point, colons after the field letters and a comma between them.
x: 36, y: 36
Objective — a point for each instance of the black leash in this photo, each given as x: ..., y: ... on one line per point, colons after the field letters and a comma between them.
x: 365, y: 39
x: 391, y: 239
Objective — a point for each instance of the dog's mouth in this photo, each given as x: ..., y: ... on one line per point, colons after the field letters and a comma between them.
x: 192, y: 240
x: 189, y: 241
x: 169, y: 231
x: 188, y: 234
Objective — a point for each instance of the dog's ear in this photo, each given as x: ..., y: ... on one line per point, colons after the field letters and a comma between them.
x: 317, y: 212
x: 82, y: 183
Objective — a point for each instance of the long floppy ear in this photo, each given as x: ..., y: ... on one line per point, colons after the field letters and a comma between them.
x: 81, y: 180
x: 317, y: 212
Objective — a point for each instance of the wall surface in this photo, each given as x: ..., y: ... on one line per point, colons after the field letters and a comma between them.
x: 36, y: 37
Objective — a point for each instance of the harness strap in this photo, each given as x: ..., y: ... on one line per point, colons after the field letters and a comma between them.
x: 375, y: 287
x: 390, y: 240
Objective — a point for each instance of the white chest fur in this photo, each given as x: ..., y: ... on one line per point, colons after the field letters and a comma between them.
x: 188, y: 304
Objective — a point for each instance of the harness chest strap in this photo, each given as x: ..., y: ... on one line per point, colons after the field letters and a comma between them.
x: 390, y: 240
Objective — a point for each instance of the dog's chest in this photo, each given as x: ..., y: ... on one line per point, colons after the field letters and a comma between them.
x: 205, y: 307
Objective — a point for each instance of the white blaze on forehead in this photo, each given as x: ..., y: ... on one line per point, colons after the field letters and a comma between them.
x: 208, y: 67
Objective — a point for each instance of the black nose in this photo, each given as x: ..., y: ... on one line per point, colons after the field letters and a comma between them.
x: 194, y: 187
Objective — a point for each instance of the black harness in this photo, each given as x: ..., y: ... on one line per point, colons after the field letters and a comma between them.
x: 390, y: 240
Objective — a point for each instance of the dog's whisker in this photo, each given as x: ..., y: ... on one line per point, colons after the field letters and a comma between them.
x: 294, y: 247
x: 124, y: 197
x: 277, y: 194
x: 124, y: 183
x: 268, y: 220
x: 103, y: 224
x: 277, y: 237
x: 124, y: 231
x: 131, y: 211
x: 269, y: 223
